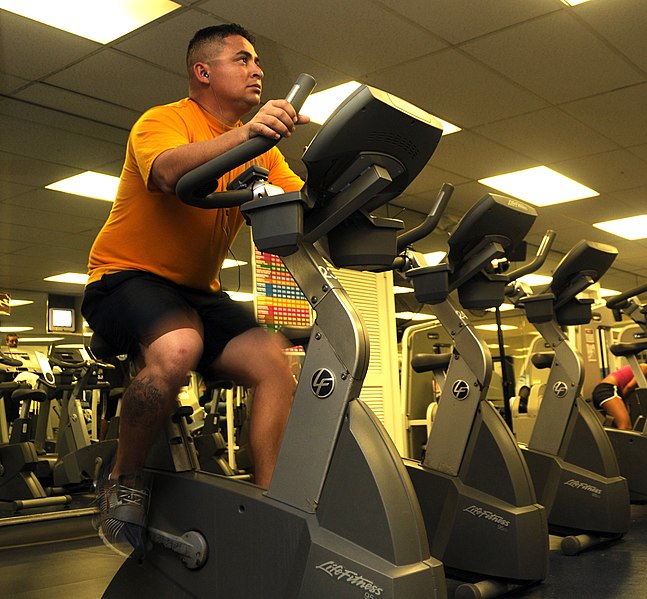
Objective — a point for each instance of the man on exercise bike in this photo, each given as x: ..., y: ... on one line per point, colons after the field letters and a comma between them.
x: 153, y: 289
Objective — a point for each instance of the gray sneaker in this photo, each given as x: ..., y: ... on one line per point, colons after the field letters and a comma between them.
x: 123, y: 514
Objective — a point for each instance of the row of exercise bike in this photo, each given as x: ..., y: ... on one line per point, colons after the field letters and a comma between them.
x: 345, y: 516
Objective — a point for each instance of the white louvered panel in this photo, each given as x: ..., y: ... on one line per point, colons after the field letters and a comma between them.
x: 372, y: 295
x: 363, y: 290
x: 373, y: 398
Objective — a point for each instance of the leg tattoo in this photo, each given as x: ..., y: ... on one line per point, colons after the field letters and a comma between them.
x: 144, y: 405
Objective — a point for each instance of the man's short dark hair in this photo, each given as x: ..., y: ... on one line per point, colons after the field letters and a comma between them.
x: 214, y: 33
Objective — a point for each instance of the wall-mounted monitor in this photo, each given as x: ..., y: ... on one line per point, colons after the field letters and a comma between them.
x: 61, y: 320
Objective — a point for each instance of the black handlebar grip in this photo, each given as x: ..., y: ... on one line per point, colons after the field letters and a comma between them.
x: 431, y: 220
x: 202, y: 180
x: 300, y: 91
x: 616, y: 300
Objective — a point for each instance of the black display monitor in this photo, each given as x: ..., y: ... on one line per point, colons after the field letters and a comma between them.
x: 508, y: 220
x: 585, y: 259
x: 370, y: 127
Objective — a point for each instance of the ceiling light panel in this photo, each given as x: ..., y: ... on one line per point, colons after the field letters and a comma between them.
x: 96, y: 20
x: 89, y: 185
x: 75, y: 278
x: 633, y: 227
x: 540, y: 186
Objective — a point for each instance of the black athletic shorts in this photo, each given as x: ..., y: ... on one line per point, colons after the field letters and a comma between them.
x: 603, y: 392
x: 135, y: 307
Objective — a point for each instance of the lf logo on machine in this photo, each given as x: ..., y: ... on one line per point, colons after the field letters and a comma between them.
x: 460, y: 389
x: 560, y: 389
x: 322, y: 383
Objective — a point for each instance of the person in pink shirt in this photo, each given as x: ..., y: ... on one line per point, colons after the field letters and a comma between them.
x: 610, y: 394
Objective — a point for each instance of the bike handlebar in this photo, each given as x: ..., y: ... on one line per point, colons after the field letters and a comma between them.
x: 431, y: 220
x: 616, y: 300
x: 539, y: 259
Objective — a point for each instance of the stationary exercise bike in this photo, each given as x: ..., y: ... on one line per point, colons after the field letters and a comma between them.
x: 340, y: 518
x: 571, y: 460
x: 476, y: 494
x: 631, y: 446
x: 19, y: 485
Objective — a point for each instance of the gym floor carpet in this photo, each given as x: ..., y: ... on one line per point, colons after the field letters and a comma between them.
x: 82, y: 569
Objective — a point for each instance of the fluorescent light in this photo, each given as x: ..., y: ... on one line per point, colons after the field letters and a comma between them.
x: 76, y: 278
x: 90, y: 185
x: 15, y: 329
x: 602, y: 292
x: 96, y: 20
x: 633, y: 227
x: 320, y: 105
x: 540, y: 186
x: 434, y: 258
x: 502, y: 308
x: 574, y: 2
x: 229, y: 263
x: 14, y: 303
x: 40, y: 339
x: 496, y: 345
x: 448, y: 128
x: 240, y: 296
x: 400, y: 289
x: 494, y: 327
x: 414, y: 316
x: 535, y: 280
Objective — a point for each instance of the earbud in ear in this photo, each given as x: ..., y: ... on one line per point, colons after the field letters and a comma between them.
x: 205, y: 74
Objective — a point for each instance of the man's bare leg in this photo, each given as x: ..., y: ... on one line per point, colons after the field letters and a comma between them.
x: 150, y: 398
x: 255, y: 359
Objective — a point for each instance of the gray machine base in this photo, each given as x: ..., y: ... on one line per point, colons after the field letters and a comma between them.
x: 578, y: 500
x: 489, y: 504
x: 354, y: 545
x: 631, y: 451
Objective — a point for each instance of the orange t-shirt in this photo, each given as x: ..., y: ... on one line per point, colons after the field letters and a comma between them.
x: 155, y: 232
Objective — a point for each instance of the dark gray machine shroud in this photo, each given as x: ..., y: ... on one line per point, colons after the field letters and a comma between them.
x: 477, y: 497
x: 341, y: 518
x: 572, y: 462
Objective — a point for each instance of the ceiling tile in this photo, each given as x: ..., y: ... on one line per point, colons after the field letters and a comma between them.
x: 619, y: 115
x: 38, y: 141
x: 32, y: 50
x: 608, y: 171
x: 623, y: 23
x: 48, y: 201
x: 9, y: 83
x: 474, y: 157
x: 125, y: 81
x: 454, y: 87
x: 12, y: 214
x: 590, y: 210
x: 353, y: 37
x: 176, y: 31
x: 450, y: 20
x: 95, y: 112
x: 29, y: 172
x: 574, y: 62
x: 547, y: 135
x: 428, y: 183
